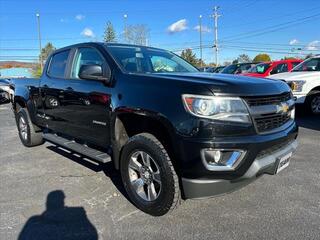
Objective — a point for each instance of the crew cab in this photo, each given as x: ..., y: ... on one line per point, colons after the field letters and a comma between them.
x: 266, y: 69
x: 172, y: 132
x: 304, y: 81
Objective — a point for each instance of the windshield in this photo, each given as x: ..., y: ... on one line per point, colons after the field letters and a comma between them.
x: 219, y: 69
x: 311, y: 64
x: 148, y: 60
x: 230, y: 69
x: 259, y: 68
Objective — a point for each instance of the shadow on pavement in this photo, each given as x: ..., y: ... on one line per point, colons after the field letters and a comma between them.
x: 107, y: 168
x: 59, y: 222
x: 307, y: 120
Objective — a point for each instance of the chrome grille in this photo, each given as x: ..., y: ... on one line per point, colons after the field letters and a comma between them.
x: 267, y: 111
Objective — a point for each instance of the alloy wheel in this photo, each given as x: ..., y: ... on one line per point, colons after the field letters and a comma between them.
x: 23, y: 128
x: 315, y: 105
x: 144, y: 175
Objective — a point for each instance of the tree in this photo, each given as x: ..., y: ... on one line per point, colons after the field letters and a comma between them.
x: 137, y: 34
x: 211, y: 64
x: 109, y: 33
x: 190, y: 57
x: 47, y: 50
x: 243, y: 58
x: 262, y: 57
x: 36, y: 71
x: 290, y: 58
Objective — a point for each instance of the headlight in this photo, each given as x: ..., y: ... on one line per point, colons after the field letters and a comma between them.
x: 296, y: 86
x: 230, y: 109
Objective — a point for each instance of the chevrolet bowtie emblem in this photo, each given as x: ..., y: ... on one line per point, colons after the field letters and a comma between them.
x: 283, y: 108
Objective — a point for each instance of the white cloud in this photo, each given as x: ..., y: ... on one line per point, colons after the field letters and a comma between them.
x: 204, y: 29
x: 178, y: 26
x: 87, y: 32
x: 313, y: 46
x: 293, y: 41
x: 80, y: 17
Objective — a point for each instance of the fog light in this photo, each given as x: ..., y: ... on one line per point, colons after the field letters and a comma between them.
x: 292, y: 113
x: 216, y: 156
x: 221, y: 159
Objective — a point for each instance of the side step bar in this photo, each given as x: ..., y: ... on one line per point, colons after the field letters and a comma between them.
x: 78, y: 148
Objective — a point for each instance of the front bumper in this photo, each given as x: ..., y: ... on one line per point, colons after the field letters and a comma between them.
x: 267, y: 164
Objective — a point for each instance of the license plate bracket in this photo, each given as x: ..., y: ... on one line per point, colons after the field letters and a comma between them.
x: 283, y: 162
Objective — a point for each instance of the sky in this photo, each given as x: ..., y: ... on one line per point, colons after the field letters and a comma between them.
x: 279, y: 28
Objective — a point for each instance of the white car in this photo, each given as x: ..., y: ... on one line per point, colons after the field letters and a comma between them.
x: 6, y: 87
x: 304, y: 81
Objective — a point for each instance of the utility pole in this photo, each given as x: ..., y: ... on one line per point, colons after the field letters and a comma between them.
x: 200, y: 32
x: 215, y: 16
x: 125, y: 17
x: 39, y: 36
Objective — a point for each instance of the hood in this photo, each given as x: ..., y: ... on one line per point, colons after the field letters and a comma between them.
x: 296, y: 75
x: 220, y: 84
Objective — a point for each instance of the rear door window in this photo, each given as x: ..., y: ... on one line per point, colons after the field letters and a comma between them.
x: 58, y: 64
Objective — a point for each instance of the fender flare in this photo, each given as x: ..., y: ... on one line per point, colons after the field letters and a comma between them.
x: 118, y: 132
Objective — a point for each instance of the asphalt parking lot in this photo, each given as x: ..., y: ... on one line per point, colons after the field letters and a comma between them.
x: 46, y: 193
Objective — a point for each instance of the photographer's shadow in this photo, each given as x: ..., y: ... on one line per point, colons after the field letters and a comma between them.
x: 59, y: 222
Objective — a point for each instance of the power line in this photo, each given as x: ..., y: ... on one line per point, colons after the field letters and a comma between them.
x: 19, y: 49
x: 272, y: 28
x: 266, y: 51
x: 267, y: 44
x: 47, y: 39
x: 261, y: 48
x: 249, y: 22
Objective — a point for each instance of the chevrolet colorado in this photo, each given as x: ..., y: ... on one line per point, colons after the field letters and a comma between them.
x: 173, y: 132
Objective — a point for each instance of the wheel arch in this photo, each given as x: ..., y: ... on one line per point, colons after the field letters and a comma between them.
x: 129, y: 123
x: 314, y: 90
x: 18, y: 103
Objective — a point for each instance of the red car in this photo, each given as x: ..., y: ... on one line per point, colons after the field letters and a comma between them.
x: 268, y: 68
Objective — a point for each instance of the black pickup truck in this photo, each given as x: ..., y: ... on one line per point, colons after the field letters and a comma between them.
x: 172, y: 132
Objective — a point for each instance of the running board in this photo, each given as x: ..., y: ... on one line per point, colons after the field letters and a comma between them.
x: 77, y: 147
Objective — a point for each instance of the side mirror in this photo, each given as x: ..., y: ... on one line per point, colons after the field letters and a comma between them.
x: 95, y: 72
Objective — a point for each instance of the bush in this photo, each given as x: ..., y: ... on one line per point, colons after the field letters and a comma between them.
x: 262, y: 57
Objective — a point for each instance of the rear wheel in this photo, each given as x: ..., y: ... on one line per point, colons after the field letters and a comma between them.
x: 28, y: 136
x: 148, y: 175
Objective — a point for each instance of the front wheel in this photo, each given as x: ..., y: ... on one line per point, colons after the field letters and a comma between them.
x: 313, y: 102
x: 148, y: 175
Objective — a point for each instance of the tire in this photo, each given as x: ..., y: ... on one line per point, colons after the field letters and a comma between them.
x: 28, y: 136
x: 313, y: 103
x: 162, y: 184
